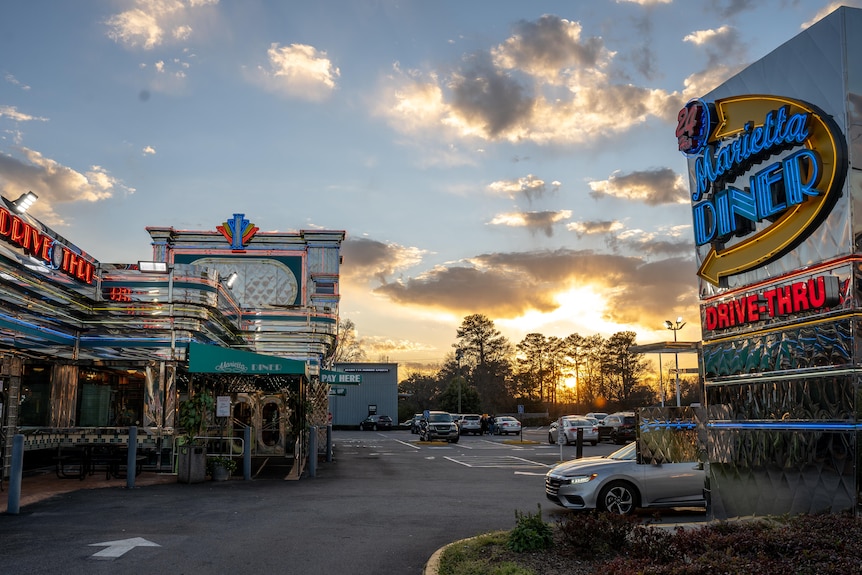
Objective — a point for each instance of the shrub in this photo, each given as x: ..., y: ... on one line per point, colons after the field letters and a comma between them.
x: 531, y: 533
x: 594, y: 534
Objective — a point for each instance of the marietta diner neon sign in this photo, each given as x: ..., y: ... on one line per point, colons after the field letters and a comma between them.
x: 43, y: 247
x: 794, y: 158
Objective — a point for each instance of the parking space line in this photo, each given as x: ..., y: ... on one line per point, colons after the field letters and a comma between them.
x: 499, y: 461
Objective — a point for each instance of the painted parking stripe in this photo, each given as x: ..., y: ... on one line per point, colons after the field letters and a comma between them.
x: 500, y: 461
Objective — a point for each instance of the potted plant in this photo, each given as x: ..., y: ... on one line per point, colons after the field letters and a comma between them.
x: 193, y: 419
x: 220, y: 467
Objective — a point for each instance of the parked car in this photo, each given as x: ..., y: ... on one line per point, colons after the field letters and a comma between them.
x: 414, y: 423
x: 597, y: 415
x: 439, y: 425
x: 504, y: 425
x: 570, y: 426
x: 471, y: 423
x: 619, y: 427
x: 376, y: 423
x: 619, y: 483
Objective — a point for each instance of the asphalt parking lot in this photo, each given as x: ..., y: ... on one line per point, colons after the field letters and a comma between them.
x: 383, y: 505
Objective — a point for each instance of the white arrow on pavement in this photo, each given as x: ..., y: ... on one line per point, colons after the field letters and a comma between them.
x: 118, y: 548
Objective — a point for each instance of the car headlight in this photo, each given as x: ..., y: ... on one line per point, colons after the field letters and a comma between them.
x: 582, y: 478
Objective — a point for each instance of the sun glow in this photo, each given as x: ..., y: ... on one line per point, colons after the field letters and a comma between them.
x: 581, y: 310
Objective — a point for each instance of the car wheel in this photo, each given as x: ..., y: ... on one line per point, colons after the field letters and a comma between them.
x: 550, y: 439
x: 593, y: 443
x: 453, y: 440
x: 618, y: 497
x: 374, y: 427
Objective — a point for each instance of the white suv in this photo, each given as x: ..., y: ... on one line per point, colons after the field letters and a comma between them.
x: 471, y: 423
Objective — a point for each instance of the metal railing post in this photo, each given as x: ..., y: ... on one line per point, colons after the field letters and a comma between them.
x: 132, y: 457
x: 14, y: 501
x: 312, y: 451
x: 246, y: 453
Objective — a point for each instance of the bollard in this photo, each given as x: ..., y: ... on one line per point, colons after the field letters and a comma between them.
x: 312, y: 451
x: 132, y: 457
x: 14, y: 502
x: 329, y: 443
x: 246, y: 453
x: 579, y: 451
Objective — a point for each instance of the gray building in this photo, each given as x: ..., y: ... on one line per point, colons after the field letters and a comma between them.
x: 375, y: 393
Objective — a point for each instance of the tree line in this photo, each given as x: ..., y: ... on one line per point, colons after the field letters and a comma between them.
x: 486, y: 373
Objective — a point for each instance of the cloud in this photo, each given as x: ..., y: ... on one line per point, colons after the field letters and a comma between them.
x: 298, y: 71
x: 365, y: 258
x: 589, y: 228
x: 549, y: 48
x: 519, y: 92
x: 12, y: 113
x: 653, y: 187
x: 149, y: 151
x: 54, y: 183
x: 150, y: 22
x: 509, y: 285
x: 720, y: 44
x: 11, y: 79
x: 534, y: 221
x: 529, y: 186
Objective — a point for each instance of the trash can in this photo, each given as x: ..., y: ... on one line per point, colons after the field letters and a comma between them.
x: 191, y: 464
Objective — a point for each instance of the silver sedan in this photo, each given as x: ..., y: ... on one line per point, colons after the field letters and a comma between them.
x: 620, y: 484
x: 570, y: 426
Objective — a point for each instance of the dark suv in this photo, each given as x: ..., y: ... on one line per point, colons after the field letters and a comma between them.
x: 620, y: 427
x: 439, y: 425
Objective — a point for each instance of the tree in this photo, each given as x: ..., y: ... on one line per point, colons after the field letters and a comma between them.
x: 348, y: 348
x: 623, y: 368
x: 487, y: 352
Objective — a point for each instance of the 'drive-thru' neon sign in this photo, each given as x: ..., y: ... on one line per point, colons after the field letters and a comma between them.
x: 53, y: 254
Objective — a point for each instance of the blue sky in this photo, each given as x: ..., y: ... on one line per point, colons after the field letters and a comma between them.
x: 510, y: 158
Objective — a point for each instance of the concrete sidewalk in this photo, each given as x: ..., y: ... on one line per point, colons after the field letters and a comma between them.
x: 41, y: 484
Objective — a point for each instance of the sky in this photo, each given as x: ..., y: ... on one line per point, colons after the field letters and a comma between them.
x: 515, y: 159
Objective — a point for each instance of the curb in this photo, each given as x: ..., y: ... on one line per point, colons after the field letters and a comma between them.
x: 432, y: 566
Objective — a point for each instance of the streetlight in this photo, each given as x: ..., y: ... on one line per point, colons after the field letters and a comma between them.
x: 458, y: 353
x: 675, y: 326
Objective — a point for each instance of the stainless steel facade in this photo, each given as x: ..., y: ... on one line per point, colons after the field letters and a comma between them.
x: 783, y: 389
x: 89, y: 348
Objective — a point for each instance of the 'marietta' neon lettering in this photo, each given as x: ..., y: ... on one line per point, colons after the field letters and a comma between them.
x: 777, y: 130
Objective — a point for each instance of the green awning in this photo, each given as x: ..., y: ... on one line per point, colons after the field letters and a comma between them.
x: 214, y: 359
x: 339, y: 377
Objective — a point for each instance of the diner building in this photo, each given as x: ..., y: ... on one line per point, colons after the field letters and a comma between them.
x: 88, y: 349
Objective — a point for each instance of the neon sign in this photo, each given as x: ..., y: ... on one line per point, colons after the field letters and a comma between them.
x: 795, y: 161
x: 816, y: 293
x: 41, y: 246
x: 238, y: 231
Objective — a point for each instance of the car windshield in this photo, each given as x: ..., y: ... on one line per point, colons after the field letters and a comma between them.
x: 439, y: 417
x: 627, y: 453
x: 578, y: 423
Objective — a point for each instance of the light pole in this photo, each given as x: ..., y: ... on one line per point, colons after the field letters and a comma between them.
x: 458, y: 353
x: 675, y: 326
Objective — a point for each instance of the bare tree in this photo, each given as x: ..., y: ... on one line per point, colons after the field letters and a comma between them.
x: 348, y: 347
